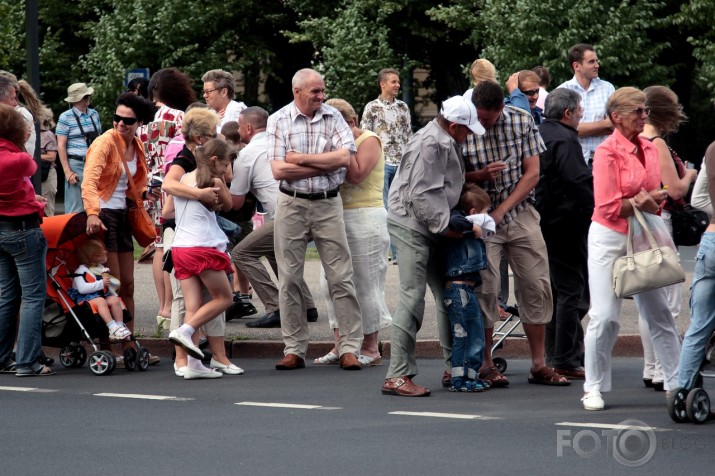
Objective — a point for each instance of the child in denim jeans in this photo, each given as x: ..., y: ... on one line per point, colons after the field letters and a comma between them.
x: 465, y: 255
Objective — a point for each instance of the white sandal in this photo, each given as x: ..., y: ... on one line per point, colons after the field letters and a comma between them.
x: 331, y: 358
x: 366, y: 361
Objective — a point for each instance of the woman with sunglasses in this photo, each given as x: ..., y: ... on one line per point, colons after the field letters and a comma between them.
x: 106, y: 185
x: 664, y: 118
x: 626, y: 174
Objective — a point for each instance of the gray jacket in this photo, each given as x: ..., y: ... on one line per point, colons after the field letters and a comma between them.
x: 428, y: 182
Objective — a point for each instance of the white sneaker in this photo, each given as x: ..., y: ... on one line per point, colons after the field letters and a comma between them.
x: 180, y: 339
x: 119, y: 333
x: 229, y: 369
x: 179, y: 371
x: 593, y: 401
x: 191, y: 374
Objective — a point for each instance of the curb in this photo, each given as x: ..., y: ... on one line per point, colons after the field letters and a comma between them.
x: 513, y: 347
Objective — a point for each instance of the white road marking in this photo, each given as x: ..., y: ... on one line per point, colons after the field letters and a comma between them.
x: 287, y: 405
x: 610, y: 426
x: 458, y: 416
x: 26, y: 389
x: 139, y: 396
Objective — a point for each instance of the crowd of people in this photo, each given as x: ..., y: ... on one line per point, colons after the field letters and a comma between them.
x: 538, y: 183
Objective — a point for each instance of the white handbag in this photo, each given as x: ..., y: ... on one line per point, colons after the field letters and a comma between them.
x: 656, y: 267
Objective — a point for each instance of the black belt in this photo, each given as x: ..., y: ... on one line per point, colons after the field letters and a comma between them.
x: 76, y: 157
x: 311, y: 196
x: 24, y: 223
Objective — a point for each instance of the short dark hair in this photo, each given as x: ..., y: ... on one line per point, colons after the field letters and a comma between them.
x: 173, y: 88
x: 473, y: 196
x: 558, y: 101
x: 230, y: 131
x: 544, y: 76
x: 488, y: 96
x: 255, y: 116
x: 140, y: 84
x: 382, y: 75
x: 576, y: 52
x: 143, y: 108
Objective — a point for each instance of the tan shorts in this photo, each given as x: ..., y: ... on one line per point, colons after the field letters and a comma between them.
x: 526, y: 253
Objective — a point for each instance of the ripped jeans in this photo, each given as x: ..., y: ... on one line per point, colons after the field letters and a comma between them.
x: 467, y: 327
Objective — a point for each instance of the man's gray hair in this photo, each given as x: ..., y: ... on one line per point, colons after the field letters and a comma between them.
x: 558, y: 101
x: 7, y: 82
x: 301, y: 77
x: 255, y: 116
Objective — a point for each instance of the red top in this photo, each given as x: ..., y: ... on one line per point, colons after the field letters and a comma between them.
x: 17, y: 195
x: 618, y: 174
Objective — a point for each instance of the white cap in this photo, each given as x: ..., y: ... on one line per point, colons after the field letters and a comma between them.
x: 460, y: 111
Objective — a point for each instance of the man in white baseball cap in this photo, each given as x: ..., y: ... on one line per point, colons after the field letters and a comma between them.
x: 426, y: 187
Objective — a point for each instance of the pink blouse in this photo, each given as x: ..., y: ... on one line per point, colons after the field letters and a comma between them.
x: 618, y: 174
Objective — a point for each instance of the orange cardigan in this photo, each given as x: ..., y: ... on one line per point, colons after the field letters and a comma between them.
x: 103, y: 167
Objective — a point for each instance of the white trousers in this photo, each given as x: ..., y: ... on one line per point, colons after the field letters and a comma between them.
x: 604, y: 247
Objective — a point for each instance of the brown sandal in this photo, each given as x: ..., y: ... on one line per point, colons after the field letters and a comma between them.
x: 494, y: 377
x: 548, y: 376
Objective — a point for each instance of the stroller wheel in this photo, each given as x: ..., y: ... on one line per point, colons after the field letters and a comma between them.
x: 101, y: 362
x: 143, y: 359
x: 130, y: 359
x: 67, y: 357
x: 697, y: 405
x: 500, y: 364
x: 81, y: 353
x: 677, y: 405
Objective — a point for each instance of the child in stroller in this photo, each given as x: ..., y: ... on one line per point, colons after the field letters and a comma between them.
x: 92, y: 282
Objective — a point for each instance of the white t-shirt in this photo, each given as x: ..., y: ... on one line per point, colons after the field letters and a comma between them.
x: 252, y: 173
x: 118, y: 201
x: 233, y: 110
x: 485, y: 221
x: 196, y: 225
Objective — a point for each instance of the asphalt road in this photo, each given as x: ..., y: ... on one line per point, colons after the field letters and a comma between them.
x: 325, y: 421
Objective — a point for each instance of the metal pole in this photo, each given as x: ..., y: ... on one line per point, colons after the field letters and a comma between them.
x: 33, y: 76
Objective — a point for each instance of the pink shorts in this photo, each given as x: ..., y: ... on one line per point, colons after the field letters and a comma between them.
x: 189, y: 262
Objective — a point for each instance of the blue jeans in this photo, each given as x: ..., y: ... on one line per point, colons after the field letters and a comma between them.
x: 390, y: 171
x: 702, y: 313
x: 73, y: 193
x: 467, y: 326
x: 22, y: 289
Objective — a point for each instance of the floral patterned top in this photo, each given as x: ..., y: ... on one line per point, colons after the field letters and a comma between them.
x: 391, y: 122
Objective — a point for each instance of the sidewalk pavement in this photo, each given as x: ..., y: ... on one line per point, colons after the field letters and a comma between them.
x: 244, y: 342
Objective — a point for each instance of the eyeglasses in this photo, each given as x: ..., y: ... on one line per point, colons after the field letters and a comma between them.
x: 206, y: 92
x: 530, y: 92
x: 641, y: 111
x: 128, y: 121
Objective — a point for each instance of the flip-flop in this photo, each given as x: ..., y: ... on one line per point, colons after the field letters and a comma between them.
x: 548, y: 376
x: 8, y: 369
x: 42, y: 371
x: 331, y: 358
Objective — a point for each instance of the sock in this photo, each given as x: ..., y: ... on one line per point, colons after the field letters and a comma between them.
x: 112, y: 324
x: 196, y: 364
x: 187, y: 330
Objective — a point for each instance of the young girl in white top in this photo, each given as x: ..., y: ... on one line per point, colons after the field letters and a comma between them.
x: 199, y: 252
x: 93, y: 283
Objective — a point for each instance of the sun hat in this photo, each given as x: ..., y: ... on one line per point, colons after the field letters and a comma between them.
x: 460, y: 111
x: 77, y: 91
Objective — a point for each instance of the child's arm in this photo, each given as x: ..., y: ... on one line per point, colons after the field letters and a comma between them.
x: 224, y: 196
x: 477, y: 230
x: 81, y: 284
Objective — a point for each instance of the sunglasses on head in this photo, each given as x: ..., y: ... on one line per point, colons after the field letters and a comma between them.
x: 128, y: 121
x: 530, y: 92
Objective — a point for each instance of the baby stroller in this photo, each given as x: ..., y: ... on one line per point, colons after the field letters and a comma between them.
x: 65, y: 324
x: 694, y: 404
x: 507, y: 328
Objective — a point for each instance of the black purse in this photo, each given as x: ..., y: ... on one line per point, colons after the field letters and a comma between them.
x: 689, y: 224
x: 168, y: 262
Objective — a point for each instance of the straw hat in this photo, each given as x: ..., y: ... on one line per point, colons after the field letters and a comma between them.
x: 77, y: 91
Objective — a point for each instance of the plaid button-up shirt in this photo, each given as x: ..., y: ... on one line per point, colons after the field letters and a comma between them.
x: 510, y: 140
x: 289, y: 130
x: 594, y: 109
